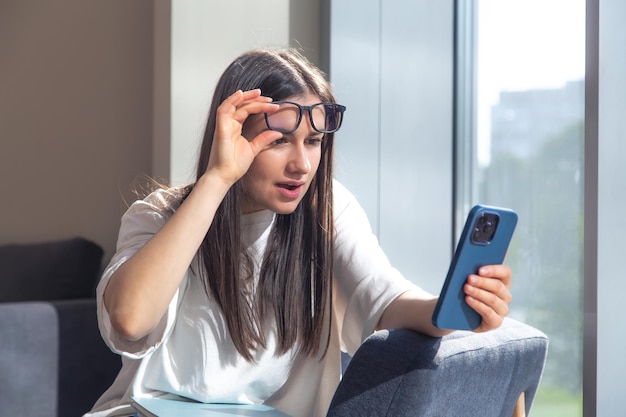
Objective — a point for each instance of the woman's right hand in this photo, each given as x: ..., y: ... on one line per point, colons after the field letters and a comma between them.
x: 231, y: 153
x: 140, y: 291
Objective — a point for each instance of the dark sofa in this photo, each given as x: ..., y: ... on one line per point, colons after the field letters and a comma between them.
x: 53, y: 362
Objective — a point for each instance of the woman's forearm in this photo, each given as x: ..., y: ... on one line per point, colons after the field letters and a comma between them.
x: 412, y: 310
x: 139, y: 292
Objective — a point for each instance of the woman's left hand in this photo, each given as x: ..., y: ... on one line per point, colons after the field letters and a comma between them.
x: 489, y: 294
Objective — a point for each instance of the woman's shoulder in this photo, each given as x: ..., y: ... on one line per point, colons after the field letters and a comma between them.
x: 147, y: 215
x: 164, y: 200
x: 343, y: 198
x: 167, y: 197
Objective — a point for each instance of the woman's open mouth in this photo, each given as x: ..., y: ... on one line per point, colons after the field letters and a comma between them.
x: 290, y: 190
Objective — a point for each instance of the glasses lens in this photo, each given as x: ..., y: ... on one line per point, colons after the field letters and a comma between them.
x: 327, y: 117
x: 286, y: 119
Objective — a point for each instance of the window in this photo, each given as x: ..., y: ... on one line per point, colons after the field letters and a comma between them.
x: 519, y: 144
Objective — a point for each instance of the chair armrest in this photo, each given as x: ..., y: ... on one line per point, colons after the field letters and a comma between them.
x: 403, y: 373
x: 53, y: 361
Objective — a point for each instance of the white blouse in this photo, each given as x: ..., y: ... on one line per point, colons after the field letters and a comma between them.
x: 190, y: 352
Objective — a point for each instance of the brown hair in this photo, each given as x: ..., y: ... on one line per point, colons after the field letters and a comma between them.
x: 296, y: 273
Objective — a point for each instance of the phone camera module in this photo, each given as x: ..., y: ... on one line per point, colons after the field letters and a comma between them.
x: 485, y: 228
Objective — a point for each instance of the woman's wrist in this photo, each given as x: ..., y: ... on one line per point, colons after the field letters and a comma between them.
x: 213, y: 183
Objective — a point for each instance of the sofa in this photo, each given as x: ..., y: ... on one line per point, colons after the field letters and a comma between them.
x: 53, y: 362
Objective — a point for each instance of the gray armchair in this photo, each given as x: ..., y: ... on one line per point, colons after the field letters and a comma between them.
x: 402, y: 373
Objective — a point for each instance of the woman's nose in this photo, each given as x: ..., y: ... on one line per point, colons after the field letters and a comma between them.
x: 299, y: 159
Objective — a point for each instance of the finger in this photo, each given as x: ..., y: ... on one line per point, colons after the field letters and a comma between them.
x: 245, y: 110
x: 238, y: 111
x: 241, y: 98
x: 489, y: 299
x: 489, y: 294
x: 255, y: 92
x: 497, y: 301
x: 263, y: 139
x: 491, y: 319
x: 501, y: 272
x: 492, y: 305
x: 488, y: 290
x: 491, y: 285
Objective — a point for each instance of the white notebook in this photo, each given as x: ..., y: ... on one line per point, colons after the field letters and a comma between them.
x: 161, y: 407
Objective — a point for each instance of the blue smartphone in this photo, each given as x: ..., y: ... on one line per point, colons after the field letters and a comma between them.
x: 484, y: 241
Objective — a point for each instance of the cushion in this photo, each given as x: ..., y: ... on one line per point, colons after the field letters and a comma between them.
x: 54, y: 361
x: 60, y: 270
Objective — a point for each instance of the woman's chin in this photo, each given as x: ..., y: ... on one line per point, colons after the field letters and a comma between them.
x: 284, y: 209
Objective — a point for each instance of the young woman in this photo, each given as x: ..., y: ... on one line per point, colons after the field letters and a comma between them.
x: 245, y: 285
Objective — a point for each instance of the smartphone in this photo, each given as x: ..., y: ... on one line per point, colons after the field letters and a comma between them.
x: 484, y: 241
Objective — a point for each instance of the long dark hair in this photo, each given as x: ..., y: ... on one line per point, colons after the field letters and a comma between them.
x: 296, y: 273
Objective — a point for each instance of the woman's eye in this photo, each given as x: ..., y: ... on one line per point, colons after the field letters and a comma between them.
x: 279, y: 141
x: 314, y: 141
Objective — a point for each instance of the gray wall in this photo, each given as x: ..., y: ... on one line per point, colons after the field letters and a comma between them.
x: 391, y: 65
x: 205, y: 37
x: 75, y: 116
x: 94, y: 95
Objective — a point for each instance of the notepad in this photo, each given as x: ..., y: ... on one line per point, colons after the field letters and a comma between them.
x: 161, y: 407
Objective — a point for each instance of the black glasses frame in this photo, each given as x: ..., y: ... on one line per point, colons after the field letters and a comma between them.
x: 337, y: 108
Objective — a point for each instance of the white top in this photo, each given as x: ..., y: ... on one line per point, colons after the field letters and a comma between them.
x: 190, y: 352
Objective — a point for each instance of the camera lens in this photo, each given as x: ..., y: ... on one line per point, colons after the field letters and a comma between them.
x: 485, y: 228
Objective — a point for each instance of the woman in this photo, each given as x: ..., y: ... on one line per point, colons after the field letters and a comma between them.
x: 244, y: 286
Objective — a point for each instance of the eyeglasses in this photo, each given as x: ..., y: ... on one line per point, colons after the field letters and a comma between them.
x: 324, y: 117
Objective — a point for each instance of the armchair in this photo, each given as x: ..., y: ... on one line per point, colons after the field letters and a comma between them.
x: 463, y: 374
